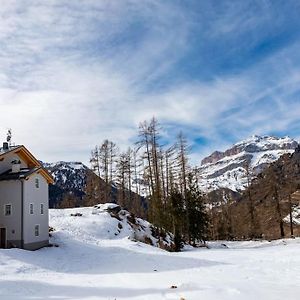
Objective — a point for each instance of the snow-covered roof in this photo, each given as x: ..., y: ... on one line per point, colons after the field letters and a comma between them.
x: 10, y: 148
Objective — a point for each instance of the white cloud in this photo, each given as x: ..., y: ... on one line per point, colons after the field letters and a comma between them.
x: 72, y: 75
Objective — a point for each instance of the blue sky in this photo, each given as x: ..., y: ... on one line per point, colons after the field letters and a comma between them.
x: 73, y: 73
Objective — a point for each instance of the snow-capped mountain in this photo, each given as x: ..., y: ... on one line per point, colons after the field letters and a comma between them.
x: 68, y: 177
x: 71, y: 175
x: 225, y: 169
x: 228, y: 169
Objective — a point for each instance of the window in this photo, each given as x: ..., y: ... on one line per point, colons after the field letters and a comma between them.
x: 37, y: 230
x: 37, y: 183
x: 31, y: 208
x: 7, y: 210
x: 42, y: 209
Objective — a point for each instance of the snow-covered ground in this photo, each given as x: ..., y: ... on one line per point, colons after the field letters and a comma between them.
x: 92, y: 262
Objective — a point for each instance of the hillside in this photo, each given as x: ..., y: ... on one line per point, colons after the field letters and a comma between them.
x: 68, y: 177
x: 218, y: 170
x: 228, y: 169
x: 91, y: 263
x: 273, y: 185
x: 220, y: 173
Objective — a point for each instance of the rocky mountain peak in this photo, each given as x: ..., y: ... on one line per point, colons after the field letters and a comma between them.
x: 226, y: 169
x: 253, y: 144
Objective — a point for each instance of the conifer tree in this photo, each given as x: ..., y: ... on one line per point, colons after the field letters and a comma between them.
x: 182, y: 158
x: 95, y: 161
x: 275, y: 183
x: 196, y: 212
x: 122, y: 169
x: 177, y: 217
x: 253, y: 225
x: 174, y: 201
x: 149, y: 136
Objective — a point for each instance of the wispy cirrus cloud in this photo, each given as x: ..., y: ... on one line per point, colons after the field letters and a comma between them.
x: 74, y: 73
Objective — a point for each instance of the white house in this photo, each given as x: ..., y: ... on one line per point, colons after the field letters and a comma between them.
x: 24, y: 219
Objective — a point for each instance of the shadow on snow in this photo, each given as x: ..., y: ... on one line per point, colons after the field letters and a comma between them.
x: 81, y: 258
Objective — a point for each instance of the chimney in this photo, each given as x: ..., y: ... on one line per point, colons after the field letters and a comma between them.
x: 5, y: 146
x: 16, y: 166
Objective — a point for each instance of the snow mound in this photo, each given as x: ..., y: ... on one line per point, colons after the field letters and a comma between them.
x: 107, y: 222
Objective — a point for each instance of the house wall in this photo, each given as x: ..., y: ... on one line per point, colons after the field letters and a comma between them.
x: 10, y: 193
x: 6, y: 163
x: 36, y: 196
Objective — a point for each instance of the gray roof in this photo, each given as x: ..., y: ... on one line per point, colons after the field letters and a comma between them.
x: 9, y: 175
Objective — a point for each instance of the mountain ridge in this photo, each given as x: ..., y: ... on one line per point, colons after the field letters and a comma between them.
x: 220, y: 170
x: 228, y: 169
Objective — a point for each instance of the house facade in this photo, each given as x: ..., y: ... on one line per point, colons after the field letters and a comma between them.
x: 24, y: 216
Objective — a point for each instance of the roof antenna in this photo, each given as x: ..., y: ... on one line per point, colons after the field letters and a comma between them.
x: 9, y: 136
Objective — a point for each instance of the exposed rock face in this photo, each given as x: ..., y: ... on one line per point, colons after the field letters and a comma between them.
x: 214, y: 157
x: 254, y: 144
x: 228, y: 169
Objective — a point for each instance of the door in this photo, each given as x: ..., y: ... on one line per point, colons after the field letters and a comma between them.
x: 2, y: 237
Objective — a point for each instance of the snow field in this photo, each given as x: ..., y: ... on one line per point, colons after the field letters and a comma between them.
x: 92, y: 262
